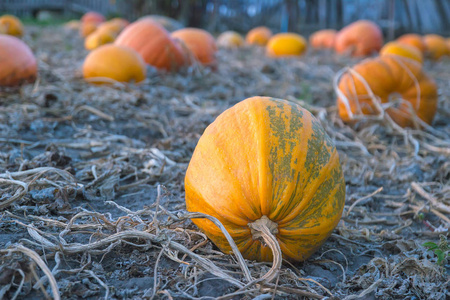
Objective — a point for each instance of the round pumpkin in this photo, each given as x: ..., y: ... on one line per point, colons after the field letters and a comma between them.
x: 286, y: 44
x: 86, y: 28
x: 323, y: 39
x: 11, y: 25
x: 120, y: 21
x: 360, y: 38
x: 258, y: 36
x: 109, y: 27
x: 154, y: 44
x: 18, y: 64
x: 413, y: 39
x: 389, y: 78
x: 200, y: 42
x: 168, y: 23
x: 98, y: 38
x: 436, y: 46
x: 93, y: 16
x: 448, y: 45
x: 267, y: 161
x: 404, y: 50
x: 116, y: 62
x: 230, y: 40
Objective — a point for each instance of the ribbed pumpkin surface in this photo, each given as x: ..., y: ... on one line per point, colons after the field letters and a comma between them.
x: 200, y: 42
x: 389, y: 78
x: 17, y: 62
x: 154, y: 44
x: 267, y: 157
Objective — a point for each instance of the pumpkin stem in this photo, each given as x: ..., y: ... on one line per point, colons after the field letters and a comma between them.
x: 266, y: 229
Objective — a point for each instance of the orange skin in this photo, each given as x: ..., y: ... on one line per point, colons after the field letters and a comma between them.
x: 86, y: 28
x: 154, y: 44
x: 115, y: 62
x: 286, y: 44
x: 436, y: 46
x: 396, y: 48
x: 93, y: 16
x: 323, y: 39
x: 200, y: 42
x: 267, y: 157
x: 360, y: 38
x: 120, y: 21
x: 11, y: 25
x: 110, y: 27
x: 98, y: 38
x: 18, y: 64
x: 258, y: 36
x: 413, y: 39
x: 388, y: 79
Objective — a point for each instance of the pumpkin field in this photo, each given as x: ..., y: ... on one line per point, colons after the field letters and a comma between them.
x: 97, y: 200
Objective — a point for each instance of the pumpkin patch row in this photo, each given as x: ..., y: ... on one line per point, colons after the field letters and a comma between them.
x: 363, y: 38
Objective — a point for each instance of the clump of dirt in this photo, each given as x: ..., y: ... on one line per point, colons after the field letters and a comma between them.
x: 92, y: 195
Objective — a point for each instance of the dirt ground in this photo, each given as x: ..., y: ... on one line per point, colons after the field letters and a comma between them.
x: 91, y: 185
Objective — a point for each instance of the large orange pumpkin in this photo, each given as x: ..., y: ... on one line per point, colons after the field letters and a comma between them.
x: 18, y: 64
x: 266, y: 161
x: 115, y: 62
x: 404, y: 50
x: 413, y: 39
x: 388, y: 78
x: 436, y: 46
x: 258, y: 36
x: 359, y: 38
x: 286, y: 44
x: 200, y: 42
x: 154, y: 44
x: 230, y: 40
x: 93, y: 16
x: 323, y: 39
x: 11, y: 25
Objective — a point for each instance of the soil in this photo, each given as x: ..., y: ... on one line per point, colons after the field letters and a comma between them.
x: 82, y: 164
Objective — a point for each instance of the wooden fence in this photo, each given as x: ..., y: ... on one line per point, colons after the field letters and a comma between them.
x: 304, y: 16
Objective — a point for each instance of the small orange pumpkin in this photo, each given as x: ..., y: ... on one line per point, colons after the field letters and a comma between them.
x: 110, y: 27
x: 154, y: 44
x: 86, y: 28
x: 98, y: 38
x: 230, y: 40
x: 258, y: 36
x: 436, y: 46
x: 404, y: 50
x: 120, y: 21
x: 286, y: 44
x: 323, y: 39
x: 115, y: 62
x: 11, y: 25
x: 266, y: 161
x: 360, y: 38
x: 200, y: 42
x: 388, y: 78
x: 18, y: 64
x: 413, y: 39
x: 93, y: 16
